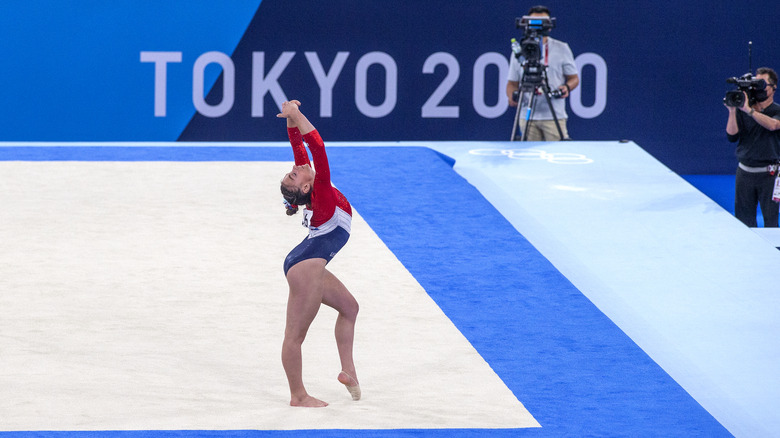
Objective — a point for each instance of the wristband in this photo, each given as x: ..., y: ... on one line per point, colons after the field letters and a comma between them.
x: 567, y: 87
x: 751, y: 112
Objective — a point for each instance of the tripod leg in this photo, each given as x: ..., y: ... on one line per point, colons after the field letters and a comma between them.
x: 528, y: 114
x: 555, y: 117
x: 521, y: 105
x: 516, y: 122
x: 546, y: 91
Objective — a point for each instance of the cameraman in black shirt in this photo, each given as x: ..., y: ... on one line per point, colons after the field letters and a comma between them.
x: 757, y: 128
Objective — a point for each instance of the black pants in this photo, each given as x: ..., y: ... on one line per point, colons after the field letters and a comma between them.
x: 753, y: 189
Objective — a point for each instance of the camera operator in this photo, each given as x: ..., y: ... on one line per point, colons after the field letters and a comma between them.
x: 561, y: 74
x: 757, y: 129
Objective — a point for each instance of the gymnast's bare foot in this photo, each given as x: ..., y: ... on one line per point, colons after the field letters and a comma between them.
x: 351, y: 383
x: 307, y: 402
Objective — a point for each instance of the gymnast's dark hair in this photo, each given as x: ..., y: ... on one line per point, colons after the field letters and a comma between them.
x: 295, y: 198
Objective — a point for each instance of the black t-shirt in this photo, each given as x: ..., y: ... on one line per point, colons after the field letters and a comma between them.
x: 757, y: 146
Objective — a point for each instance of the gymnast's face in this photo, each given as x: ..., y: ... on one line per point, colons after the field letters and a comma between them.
x: 300, y: 177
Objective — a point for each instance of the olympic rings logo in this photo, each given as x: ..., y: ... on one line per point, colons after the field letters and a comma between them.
x: 534, y: 154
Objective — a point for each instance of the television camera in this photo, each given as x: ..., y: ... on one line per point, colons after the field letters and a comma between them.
x: 534, y: 80
x: 754, y: 88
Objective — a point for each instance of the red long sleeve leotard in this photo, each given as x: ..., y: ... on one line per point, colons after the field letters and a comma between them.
x: 329, y: 207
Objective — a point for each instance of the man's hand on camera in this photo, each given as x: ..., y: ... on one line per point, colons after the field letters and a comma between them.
x: 564, y: 91
x: 745, y: 104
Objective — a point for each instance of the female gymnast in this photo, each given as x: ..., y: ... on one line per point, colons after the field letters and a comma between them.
x: 328, y: 217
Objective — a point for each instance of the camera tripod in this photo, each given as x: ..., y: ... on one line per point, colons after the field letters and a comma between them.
x: 532, y: 85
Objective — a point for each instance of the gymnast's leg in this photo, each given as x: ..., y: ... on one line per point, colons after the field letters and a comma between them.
x: 305, y: 279
x: 336, y: 295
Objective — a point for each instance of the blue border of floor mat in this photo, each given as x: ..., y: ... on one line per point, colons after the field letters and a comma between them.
x: 571, y: 367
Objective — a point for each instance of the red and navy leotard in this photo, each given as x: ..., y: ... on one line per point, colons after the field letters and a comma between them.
x: 328, y: 208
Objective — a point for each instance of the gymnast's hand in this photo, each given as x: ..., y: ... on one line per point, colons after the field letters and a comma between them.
x: 289, y: 109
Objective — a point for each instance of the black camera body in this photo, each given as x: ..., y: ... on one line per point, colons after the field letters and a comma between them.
x: 746, y: 84
x: 534, y: 30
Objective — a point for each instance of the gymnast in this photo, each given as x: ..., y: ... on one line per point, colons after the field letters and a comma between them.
x: 328, y: 216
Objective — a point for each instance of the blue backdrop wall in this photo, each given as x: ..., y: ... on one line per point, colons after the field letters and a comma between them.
x: 124, y: 70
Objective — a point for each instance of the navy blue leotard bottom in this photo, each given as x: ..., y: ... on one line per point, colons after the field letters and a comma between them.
x: 321, y: 247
